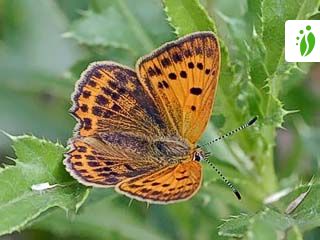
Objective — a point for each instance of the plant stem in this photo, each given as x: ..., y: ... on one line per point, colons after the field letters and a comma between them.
x: 266, y: 165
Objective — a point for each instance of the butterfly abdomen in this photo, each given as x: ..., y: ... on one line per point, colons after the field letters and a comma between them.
x: 127, y: 142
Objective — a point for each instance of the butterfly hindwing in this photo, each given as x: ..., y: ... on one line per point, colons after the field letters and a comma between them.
x: 170, y: 184
x: 96, y: 163
x: 182, y: 76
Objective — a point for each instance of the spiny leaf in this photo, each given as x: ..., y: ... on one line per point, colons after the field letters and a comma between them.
x: 117, y: 21
x: 38, y: 161
x: 187, y: 16
x: 235, y: 226
x: 99, y: 220
x: 254, y: 15
x: 274, y: 15
x: 305, y: 216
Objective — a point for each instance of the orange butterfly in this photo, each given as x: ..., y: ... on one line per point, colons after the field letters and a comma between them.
x: 137, y: 130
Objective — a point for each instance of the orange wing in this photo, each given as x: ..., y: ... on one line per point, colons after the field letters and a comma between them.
x: 109, y: 96
x: 95, y: 163
x: 182, y: 77
x: 117, y: 120
x: 171, y: 184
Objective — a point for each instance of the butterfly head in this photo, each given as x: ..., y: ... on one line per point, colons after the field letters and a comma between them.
x: 199, y: 155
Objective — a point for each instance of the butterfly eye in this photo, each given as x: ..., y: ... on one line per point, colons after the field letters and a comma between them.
x: 198, y: 156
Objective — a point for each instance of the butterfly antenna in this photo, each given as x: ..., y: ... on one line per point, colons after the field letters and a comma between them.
x: 234, y: 190
x: 248, y: 124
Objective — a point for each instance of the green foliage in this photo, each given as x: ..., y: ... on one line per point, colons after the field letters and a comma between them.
x: 275, y: 219
x: 100, y: 215
x: 97, y: 27
x: 43, y: 52
x: 273, y: 24
x: 38, y: 161
x: 184, y: 17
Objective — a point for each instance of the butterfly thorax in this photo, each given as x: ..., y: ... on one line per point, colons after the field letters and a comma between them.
x: 171, y: 149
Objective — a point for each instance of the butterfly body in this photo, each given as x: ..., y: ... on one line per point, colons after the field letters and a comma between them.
x: 137, y: 130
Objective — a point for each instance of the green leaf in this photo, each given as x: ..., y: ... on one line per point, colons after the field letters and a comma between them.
x: 100, y: 220
x: 235, y: 226
x: 26, y: 39
x: 112, y: 23
x: 34, y: 95
x: 261, y: 229
x: 188, y: 16
x: 274, y: 15
x: 273, y: 71
x: 305, y: 216
x: 254, y: 15
x: 124, y: 56
x: 38, y: 161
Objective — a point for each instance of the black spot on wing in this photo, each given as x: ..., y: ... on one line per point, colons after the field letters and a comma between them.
x: 165, y: 62
x: 200, y: 66
x: 87, y: 123
x: 115, y: 107
x: 155, y: 184
x: 172, y: 76
x: 86, y: 94
x: 84, y: 108
x: 176, y: 57
x: 97, y: 111
x: 195, y: 91
x: 82, y: 149
x: 181, y: 178
x: 198, y: 50
x: 183, y: 74
x: 101, y: 100
x: 165, y: 84
x: 145, y: 190
x: 92, y: 83
x: 191, y: 65
x: 93, y: 164
x: 90, y: 157
x: 187, y: 53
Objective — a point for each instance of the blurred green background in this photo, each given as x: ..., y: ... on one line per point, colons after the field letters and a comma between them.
x: 44, y: 46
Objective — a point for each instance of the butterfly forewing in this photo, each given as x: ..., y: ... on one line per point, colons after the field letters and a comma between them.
x: 117, y: 120
x: 182, y: 76
x: 109, y: 96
